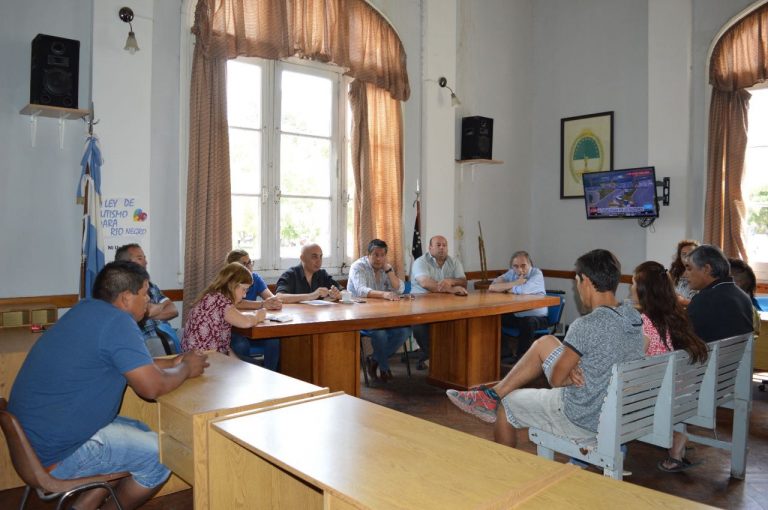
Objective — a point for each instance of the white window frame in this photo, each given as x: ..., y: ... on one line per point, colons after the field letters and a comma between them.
x: 270, y: 263
x: 759, y: 267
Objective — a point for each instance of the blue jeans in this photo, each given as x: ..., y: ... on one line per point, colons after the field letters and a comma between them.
x: 123, y: 445
x: 421, y: 334
x: 385, y: 342
x: 245, y: 348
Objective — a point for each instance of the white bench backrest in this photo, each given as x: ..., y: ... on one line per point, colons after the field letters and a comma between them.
x: 728, y: 376
x: 631, y: 400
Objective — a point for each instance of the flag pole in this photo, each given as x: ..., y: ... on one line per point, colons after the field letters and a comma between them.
x: 416, y: 250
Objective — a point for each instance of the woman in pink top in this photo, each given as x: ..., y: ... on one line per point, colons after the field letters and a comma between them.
x: 665, y: 328
x: 209, y: 325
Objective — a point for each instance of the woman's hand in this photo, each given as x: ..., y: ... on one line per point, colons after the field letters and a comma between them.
x: 258, y: 317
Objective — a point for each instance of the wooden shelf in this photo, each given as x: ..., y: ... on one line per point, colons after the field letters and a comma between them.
x: 479, y: 161
x: 53, y: 112
x: 35, y: 111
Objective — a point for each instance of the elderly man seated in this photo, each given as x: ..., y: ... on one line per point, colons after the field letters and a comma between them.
x: 522, y: 278
x: 435, y: 271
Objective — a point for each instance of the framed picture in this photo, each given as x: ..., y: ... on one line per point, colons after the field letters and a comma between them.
x: 586, y: 145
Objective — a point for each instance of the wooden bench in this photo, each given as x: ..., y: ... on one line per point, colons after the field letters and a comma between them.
x: 649, y: 398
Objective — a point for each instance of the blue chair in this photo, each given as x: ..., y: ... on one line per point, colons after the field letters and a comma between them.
x: 554, y: 314
x: 168, y: 336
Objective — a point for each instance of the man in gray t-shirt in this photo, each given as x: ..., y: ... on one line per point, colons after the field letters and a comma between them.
x: 578, y: 369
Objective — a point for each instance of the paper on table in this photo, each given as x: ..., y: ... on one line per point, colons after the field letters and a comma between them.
x: 279, y: 317
x: 317, y: 302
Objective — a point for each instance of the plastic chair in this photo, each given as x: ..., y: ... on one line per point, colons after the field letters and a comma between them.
x: 554, y: 314
x: 168, y: 336
x: 34, y: 475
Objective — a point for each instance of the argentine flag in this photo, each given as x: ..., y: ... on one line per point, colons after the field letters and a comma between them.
x: 89, y: 193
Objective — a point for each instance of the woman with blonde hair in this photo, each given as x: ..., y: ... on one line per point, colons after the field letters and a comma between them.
x: 209, y: 325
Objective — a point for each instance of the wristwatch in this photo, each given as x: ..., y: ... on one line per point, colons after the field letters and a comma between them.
x: 388, y: 271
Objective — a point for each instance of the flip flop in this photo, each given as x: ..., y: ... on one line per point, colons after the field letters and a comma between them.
x: 677, y: 465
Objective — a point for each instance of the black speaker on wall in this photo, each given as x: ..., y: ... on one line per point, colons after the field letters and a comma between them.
x: 55, y: 71
x: 476, y: 138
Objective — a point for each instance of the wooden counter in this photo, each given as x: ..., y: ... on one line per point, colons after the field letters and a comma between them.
x: 228, y: 386
x: 340, y: 452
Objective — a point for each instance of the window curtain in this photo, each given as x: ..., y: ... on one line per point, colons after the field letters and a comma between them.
x: 377, y: 164
x: 347, y: 33
x: 737, y: 63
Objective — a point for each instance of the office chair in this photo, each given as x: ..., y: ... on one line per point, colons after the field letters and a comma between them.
x: 34, y: 475
x: 554, y: 314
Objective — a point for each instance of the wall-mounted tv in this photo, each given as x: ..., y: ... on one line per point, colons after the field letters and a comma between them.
x: 629, y: 193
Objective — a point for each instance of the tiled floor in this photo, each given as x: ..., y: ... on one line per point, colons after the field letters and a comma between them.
x: 708, y: 483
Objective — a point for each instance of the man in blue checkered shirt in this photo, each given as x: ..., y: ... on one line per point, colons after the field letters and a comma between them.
x: 160, y: 309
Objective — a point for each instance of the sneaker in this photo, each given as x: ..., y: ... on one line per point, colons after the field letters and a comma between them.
x: 477, y: 403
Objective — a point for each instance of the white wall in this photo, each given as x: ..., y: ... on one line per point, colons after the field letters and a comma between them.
x: 494, y: 79
x: 669, y: 113
x: 40, y: 229
x: 588, y: 57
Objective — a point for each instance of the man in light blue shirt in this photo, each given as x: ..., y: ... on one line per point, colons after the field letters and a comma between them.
x: 371, y: 276
x: 435, y: 271
x: 522, y: 278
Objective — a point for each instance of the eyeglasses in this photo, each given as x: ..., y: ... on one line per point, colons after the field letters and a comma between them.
x: 248, y: 263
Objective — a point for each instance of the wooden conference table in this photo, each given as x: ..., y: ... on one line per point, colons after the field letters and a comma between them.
x: 321, y: 344
x: 340, y: 452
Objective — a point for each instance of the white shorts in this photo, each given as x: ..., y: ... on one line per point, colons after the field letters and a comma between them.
x: 542, y: 408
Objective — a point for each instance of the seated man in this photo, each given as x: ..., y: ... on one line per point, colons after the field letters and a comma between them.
x: 308, y: 280
x: 522, y: 278
x: 69, y: 390
x: 258, y: 296
x: 435, y: 271
x: 720, y: 309
x: 372, y: 276
x: 160, y: 309
x: 579, y: 369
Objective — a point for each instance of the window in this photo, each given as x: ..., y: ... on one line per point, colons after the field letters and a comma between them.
x: 755, y: 183
x: 290, y: 175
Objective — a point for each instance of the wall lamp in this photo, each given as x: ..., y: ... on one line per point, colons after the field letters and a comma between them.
x: 126, y: 14
x: 444, y: 83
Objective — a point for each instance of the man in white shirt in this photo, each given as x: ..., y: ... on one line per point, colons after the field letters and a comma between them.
x: 435, y: 271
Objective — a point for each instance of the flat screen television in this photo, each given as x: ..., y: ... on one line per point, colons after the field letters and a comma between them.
x: 629, y: 193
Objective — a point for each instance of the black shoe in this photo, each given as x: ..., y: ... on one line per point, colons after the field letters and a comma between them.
x: 386, y: 375
x: 421, y: 365
x: 371, y: 365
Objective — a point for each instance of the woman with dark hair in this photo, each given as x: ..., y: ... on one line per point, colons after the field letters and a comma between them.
x: 745, y: 279
x: 665, y: 328
x: 677, y: 270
